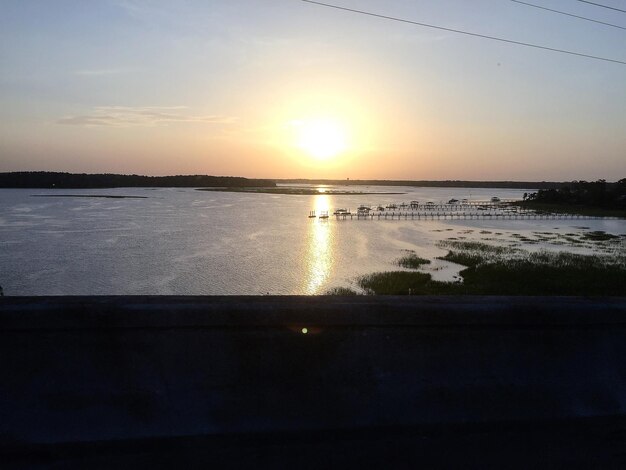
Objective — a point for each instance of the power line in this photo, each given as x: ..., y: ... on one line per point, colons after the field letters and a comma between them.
x: 602, y: 6
x: 568, y: 14
x: 493, y: 38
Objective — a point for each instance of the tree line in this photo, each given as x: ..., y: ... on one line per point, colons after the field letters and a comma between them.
x: 590, y: 193
x: 48, y: 179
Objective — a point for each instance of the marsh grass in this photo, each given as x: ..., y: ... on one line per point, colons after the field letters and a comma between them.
x: 599, y: 235
x: 497, y: 270
x: 342, y: 291
x: 405, y: 283
x: 411, y: 261
x: 475, y: 246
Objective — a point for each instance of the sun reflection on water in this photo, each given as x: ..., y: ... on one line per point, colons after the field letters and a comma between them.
x: 320, y: 244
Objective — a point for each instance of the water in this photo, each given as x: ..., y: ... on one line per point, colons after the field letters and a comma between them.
x: 183, y: 241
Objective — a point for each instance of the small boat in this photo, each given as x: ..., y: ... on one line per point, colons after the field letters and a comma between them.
x: 380, y: 208
x: 341, y: 212
x: 414, y: 204
x: 403, y: 205
x: 364, y: 209
x: 324, y: 215
x: 392, y: 206
x: 312, y: 214
x: 453, y: 201
x: 430, y: 203
x: 495, y: 199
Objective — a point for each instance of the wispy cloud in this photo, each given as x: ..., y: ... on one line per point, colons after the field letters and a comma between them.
x: 146, y: 116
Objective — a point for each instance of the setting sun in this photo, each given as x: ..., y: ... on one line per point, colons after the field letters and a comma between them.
x: 321, y: 138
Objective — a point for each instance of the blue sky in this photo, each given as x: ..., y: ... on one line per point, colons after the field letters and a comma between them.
x: 160, y: 87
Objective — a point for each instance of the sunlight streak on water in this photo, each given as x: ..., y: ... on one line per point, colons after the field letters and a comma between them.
x: 320, y: 243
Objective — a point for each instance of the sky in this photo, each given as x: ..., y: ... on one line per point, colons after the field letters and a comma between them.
x: 288, y: 89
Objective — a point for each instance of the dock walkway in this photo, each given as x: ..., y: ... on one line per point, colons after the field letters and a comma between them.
x: 450, y: 215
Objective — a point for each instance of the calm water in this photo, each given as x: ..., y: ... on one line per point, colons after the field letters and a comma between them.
x: 183, y: 241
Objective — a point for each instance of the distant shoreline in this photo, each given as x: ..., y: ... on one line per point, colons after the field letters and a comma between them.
x: 526, y: 185
x: 61, y: 180
x: 106, y: 196
x: 57, y: 180
x: 298, y: 191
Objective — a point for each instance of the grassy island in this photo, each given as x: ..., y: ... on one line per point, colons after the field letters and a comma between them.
x: 294, y: 191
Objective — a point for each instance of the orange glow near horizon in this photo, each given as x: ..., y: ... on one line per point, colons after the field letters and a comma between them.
x: 319, y: 130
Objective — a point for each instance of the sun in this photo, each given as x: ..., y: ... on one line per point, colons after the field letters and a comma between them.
x: 321, y: 138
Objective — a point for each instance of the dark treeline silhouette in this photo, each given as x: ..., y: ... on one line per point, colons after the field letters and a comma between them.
x: 47, y: 179
x: 437, y: 184
x: 589, y: 193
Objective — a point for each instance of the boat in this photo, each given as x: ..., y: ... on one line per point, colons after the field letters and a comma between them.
x: 364, y: 209
x: 495, y: 199
x: 392, y: 206
x: 341, y: 212
x: 453, y: 201
x: 380, y: 208
x: 312, y: 214
x: 324, y: 215
x: 414, y: 204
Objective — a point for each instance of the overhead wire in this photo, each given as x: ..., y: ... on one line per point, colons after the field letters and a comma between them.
x: 602, y: 6
x: 468, y: 33
x: 569, y: 14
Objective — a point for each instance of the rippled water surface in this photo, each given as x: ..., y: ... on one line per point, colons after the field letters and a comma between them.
x: 184, y: 241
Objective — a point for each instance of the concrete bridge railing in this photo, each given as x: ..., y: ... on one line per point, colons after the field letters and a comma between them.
x: 96, y: 369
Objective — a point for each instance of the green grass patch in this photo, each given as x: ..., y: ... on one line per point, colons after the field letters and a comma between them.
x: 560, y: 274
x: 405, y: 283
x: 474, y: 246
x: 412, y: 261
x: 599, y: 236
x: 341, y: 291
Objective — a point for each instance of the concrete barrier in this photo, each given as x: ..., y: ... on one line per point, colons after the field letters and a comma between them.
x: 226, y: 371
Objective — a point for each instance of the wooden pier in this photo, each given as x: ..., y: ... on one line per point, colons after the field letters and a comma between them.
x: 475, y: 210
x: 449, y: 215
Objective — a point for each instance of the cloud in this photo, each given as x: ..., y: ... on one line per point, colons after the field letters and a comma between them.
x: 147, y: 116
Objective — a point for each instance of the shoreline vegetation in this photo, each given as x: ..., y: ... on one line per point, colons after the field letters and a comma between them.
x: 498, y: 270
x: 106, y: 196
x: 57, y: 180
x: 592, y: 198
x: 297, y: 191
x: 577, y: 209
x: 531, y: 185
x: 50, y: 179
